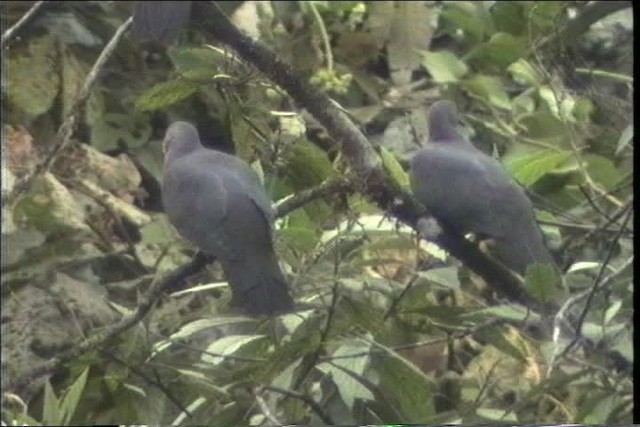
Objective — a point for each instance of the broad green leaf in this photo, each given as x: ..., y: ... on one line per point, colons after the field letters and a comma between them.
x: 404, y: 386
x: 301, y: 239
x: 32, y: 78
x: 50, y: 207
x: 524, y: 73
x: 542, y: 283
x: 72, y: 397
x: 507, y: 340
x: 165, y: 94
x: 116, y: 130
x: 466, y: 16
x: 51, y: 414
x: 444, y: 276
x: 625, y: 139
x: 158, y: 231
x: 611, y: 311
x: 444, y: 66
x: 495, y: 415
x: 394, y: 169
x: 528, y: 168
x: 229, y: 345
x: 203, y: 60
x: 602, y: 170
x: 546, y: 16
x: 510, y: 17
x: 600, y: 410
x: 348, y: 385
x: 583, y: 109
x: 490, y: 89
x: 543, y: 125
x: 507, y: 312
x: 190, y: 409
x: 501, y: 50
x: 196, y: 326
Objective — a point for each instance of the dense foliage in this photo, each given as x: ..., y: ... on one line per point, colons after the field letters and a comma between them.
x: 401, y: 332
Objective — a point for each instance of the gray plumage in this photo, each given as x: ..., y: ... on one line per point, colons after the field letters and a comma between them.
x: 160, y: 21
x: 472, y: 193
x: 216, y: 201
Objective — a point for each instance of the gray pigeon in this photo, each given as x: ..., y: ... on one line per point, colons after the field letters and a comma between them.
x: 160, y: 21
x: 472, y: 193
x: 216, y: 201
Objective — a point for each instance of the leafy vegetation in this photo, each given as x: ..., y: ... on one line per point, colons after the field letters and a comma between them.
x: 395, y: 331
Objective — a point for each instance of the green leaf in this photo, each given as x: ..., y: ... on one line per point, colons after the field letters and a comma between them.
x: 348, y: 386
x: 611, y: 311
x: 490, y: 89
x: 527, y: 169
x: 115, y: 130
x: 546, y: 16
x: 230, y: 345
x: 524, y: 73
x: 201, y: 60
x: 466, y: 16
x: 165, y: 94
x: 501, y: 415
x: 51, y: 414
x: 50, y: 207
x: 625, y: 139
x: 506, y: 312
x: 443, y: 276
x: 509, y: 17
x: 501, y: 50
x: 444, y: 66
x: 32, y: 78
x: 72, y: 397
x: 300, y: 239
x: 542, y: 282
x: 394, y: 169
x: 405, y: 386
x: 602, y: 170
x: 506, y: 340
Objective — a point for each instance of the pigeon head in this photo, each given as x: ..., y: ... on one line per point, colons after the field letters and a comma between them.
x: 181, y: 139
x: 443, y: 120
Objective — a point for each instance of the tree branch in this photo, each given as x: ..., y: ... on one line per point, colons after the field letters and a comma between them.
x: 11, y: 32
x: 363, y: 159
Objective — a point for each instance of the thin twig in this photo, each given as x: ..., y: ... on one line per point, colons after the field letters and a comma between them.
x: 315, y: 407
x: 66, y: 129
x: 363, y: 159
x: 265, y: 409
x: 295, y: 201
x: 10, y: 33
x: 595, y: 287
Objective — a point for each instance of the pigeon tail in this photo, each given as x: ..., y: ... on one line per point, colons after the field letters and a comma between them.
x: 258, y: 285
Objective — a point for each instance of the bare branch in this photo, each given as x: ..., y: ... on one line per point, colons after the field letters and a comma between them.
x: 11, y: 32
x: 364, y: 161
x: 265, y: 409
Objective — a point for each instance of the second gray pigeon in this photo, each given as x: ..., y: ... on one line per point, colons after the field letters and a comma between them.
x: 472, y: 193
x: 217, y: 201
